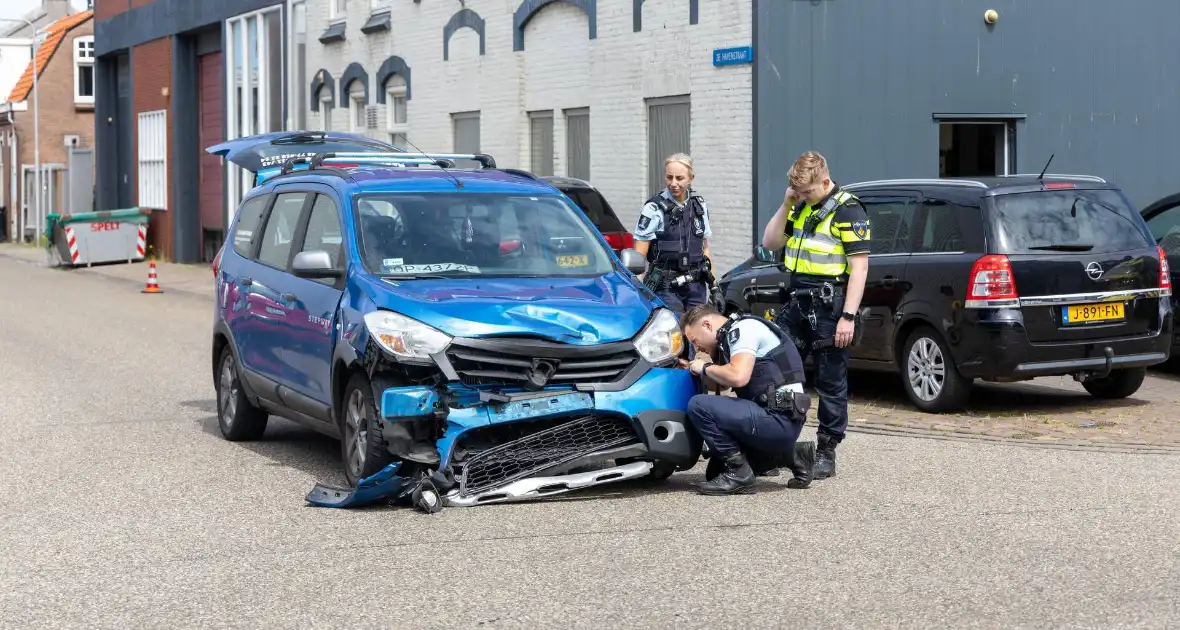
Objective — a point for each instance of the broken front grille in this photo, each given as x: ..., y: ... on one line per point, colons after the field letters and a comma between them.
x: 518, y: 459
x: 512, y: 361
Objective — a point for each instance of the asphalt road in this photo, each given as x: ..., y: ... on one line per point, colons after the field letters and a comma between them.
x: 124, y: 507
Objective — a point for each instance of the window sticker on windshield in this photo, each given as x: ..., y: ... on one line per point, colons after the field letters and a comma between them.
x: 579, y: 260
x: 432, y: 268
x: 392, y: 262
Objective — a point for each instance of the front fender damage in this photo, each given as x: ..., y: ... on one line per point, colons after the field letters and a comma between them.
x: 433, y: 430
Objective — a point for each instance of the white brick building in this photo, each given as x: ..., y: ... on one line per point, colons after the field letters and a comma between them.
x: 641, y: 70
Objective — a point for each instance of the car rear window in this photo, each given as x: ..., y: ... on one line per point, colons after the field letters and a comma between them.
x: 596, y: 208
x: 1066, y: 220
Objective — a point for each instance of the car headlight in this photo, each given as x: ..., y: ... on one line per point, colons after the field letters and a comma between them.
x: 405, y: 338
x: 661, y: 339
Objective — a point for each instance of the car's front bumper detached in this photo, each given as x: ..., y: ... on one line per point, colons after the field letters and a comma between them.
x: 517, y: 445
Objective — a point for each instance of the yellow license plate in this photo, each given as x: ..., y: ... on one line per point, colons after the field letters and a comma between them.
x: 1085, y: 313
x: 573, y: 261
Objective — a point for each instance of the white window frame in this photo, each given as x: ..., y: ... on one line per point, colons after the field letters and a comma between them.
x: 83, y: 58
x: 358, y: 118
x: 392, y: 127
x: 152, y: 160
x: 376, y: 6
x: 337, y: 10
x: 239, y: 181
x: 325, y: 97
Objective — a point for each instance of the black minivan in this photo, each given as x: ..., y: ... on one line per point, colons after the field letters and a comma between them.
x: 1001, y: 279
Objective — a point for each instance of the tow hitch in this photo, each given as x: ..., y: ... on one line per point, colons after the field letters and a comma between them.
x: 1108, y: 354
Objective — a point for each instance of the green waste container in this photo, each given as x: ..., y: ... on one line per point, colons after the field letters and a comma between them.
x: 98, y: 237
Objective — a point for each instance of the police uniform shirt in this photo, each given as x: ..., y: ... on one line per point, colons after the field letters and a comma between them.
x: 753, y: 337
x: 651, y: 218
x: 850, y: 227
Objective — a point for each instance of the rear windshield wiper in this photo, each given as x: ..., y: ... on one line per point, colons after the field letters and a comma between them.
x: 1080, y: 247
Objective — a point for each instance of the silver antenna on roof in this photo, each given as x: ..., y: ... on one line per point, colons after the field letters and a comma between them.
x: 439, y: 161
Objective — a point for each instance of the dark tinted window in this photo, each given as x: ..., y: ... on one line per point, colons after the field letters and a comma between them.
x: 596, y: 209
x: 323, y: 232
x: 280, y: 230
x: 940, y: 228
x: 1165, y: 227
x: 1095, y: 221
x: 890, y: 218
x: 249, y: 214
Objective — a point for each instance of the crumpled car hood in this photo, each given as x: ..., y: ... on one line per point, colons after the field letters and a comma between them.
x: 579, y: 311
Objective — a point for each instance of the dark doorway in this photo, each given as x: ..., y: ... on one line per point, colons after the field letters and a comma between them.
x: 125, y: 123
x: 974, y: 149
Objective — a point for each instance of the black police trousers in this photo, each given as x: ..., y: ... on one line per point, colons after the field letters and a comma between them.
x: 831, y: 363
x: 729, y: 424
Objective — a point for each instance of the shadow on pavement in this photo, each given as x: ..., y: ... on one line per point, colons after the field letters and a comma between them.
x: 286, y: 443
x: 989, y: 398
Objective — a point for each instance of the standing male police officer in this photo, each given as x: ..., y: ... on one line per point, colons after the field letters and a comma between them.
x: 827, y: 247
x: 677, y: 220
x: 759, y: 429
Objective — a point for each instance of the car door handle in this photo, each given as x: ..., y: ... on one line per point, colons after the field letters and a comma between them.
x: 247, y: 282
x: 888, y: 282
x: 289, y: 297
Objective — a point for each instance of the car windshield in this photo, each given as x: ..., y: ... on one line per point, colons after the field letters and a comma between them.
x: 427, y: 235
x: 1094, y: 221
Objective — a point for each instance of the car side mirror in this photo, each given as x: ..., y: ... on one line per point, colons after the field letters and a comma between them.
x: 635, y: 262
x: 766, y: 255
x: 315, y: 264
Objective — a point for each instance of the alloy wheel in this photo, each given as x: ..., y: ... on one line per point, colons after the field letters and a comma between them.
x: 927, y: 369
x: 357, y: 433
x: 229, y: 391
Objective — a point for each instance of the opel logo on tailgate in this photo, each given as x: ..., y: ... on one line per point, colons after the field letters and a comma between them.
x: 1094, y: 270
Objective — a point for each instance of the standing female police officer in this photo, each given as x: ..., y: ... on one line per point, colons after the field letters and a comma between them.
x: 677, y: 220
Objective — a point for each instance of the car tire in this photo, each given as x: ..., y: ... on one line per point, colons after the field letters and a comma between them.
x: 929, y: 375
x: 363, y: 452
x: 237, y: 418
x: 661, y: 471
x: 1118, y: 384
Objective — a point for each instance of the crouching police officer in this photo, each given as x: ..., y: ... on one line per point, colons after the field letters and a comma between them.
x: 826, y: 233
x: 673, y: 233
x: 758, y: 430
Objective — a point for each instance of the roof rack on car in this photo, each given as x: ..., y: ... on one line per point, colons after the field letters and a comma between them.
x: 1089, y: 178
x: 330, y: 159
x: 916, y: 182
x: 485, y: 160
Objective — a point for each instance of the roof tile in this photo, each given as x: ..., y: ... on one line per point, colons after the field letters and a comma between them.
x: 53, y: 38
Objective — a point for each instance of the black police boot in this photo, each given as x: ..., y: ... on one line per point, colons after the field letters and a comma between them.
x: 738, y: 478
x: 764, y: 464
x: 825, y: 458
x: 802, y: 463
x: 715, y: 467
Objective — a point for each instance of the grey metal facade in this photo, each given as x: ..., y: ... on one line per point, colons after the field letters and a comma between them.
x: 864, y: 82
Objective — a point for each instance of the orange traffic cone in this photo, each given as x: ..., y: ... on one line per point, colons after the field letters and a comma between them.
x: 153, y: 286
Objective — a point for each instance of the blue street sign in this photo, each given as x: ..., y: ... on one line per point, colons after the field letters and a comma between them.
x: 733, y: 56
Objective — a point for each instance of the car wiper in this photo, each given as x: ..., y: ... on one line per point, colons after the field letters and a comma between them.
x: 1080, y: 247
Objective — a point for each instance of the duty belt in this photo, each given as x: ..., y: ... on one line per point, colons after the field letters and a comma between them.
x: 783, y: 399
x: 825, y: 293
x: 664, y: 277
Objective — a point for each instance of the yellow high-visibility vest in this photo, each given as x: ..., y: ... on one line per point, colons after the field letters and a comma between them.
x: 821, y: 253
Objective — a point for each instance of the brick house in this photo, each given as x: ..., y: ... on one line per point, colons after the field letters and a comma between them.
x: 164, y: 68
x: 60, y: 113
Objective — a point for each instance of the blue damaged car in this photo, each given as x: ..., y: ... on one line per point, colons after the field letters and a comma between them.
x: 466, y: 333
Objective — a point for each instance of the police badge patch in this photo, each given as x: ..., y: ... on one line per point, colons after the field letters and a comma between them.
x: 861, y: 229
x: 733, y: 335
x: 644, y: 221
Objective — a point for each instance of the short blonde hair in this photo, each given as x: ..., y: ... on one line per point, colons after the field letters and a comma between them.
x: 682, y: 159
x: 811, y: 167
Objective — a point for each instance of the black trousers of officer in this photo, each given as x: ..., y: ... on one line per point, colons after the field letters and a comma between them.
x: 729, y: 425
x: 681, y: 299
x: 831, y: 363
